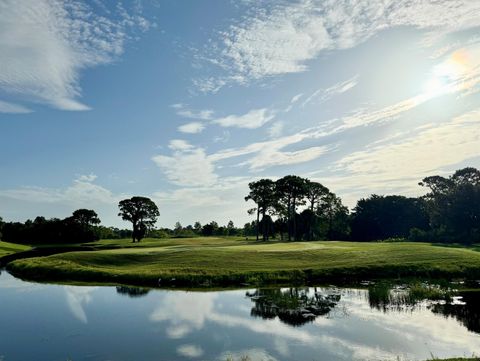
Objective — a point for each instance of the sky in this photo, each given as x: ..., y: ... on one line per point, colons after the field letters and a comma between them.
x: 186, y: 102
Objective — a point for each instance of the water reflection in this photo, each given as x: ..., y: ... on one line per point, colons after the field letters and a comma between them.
x: 466, y: 309
x: 77, y: 299
x: 293, y: 306
x: 385, y: 296
x: 132, y: 291
x: 100, y: 323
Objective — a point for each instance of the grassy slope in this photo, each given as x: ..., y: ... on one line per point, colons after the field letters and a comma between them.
x: 9, y: 248
x: 223, y: 261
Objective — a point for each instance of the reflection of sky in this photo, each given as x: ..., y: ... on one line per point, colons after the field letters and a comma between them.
x: 59, y: 321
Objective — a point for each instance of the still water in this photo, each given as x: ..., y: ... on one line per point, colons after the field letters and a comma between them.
x: 59, y: 323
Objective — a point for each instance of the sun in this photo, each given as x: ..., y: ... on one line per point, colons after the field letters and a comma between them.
x: 446, y: 75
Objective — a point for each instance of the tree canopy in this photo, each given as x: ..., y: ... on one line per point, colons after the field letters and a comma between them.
x: 142, y: 212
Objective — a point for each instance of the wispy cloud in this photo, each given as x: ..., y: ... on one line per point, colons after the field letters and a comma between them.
x: 276, y: 129
x: 280, y: 38
x: 253, y: 119
x: 338, y: 88
x: 6, y: 107
x: 83, y: 191
x: 44, y: 45
x: 184, y: 111
x: 272, y: 152
x: 398, y: 165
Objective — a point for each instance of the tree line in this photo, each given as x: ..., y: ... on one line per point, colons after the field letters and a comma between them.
x: 307, y: 210
x: 291, y: 208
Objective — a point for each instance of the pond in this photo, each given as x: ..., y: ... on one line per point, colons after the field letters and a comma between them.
x: 60, y: 323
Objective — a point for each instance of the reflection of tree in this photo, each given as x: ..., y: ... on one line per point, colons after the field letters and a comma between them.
x: 293, y: 306
x: 468, y: 313
x: 132, y: 291
x: 385, y: 297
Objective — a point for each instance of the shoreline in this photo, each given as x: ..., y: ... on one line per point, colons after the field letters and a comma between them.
x: 218, y: 262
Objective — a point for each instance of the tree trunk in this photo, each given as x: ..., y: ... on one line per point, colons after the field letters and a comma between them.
x: 258, y: 218
x: 289, y: 226
x: 134, y: 233
x: 294, y: 219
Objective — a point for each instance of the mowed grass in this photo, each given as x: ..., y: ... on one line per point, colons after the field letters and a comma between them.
x: 232, y: 261
x: 9, y: 248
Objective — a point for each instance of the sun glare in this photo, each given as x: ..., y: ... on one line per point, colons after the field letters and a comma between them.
x: 445, y: 75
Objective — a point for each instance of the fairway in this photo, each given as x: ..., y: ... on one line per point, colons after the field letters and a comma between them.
x: 229, y: 261
x: 9, y: 248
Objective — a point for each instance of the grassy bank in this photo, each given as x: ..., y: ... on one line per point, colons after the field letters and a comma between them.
x: 226, y: 261
x: 9, y: 248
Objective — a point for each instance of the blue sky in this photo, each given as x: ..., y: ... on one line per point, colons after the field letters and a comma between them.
x: 186, y: 102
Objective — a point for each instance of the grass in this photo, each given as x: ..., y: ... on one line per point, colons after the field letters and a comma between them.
x: 9, y: 248
x: 234, y: 261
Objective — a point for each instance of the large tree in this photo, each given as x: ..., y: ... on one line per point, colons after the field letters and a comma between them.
x: 262, y: 192
x: 291, y: 192
x: 335, y: 215
x: 454, y: 205
x: 316, y: 193
x: 142, y: 212
x: 85, y: 218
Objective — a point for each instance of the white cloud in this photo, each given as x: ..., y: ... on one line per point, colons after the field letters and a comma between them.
x: 282, y: 38
x: 44, y: 44
x: 276, y: 129
x: 221, y: 201
x: 187, y: 166
x: 275, y: 157
x: 180, y: 144
x: 6, y: 107
x: 253, y: 119
x: 399, y: 165
x: 192, y: 128
x: 296, y: 98
x: 87, y: 177
x: 29, y: 202
x: 192, y: 351
x: 82, y: 192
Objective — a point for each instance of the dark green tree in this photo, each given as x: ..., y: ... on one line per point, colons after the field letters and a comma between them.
x: 316, y: 194
x: 197, y: 227
x: 86, y: 218
x: 381, y: 217
x: 335, y: 215
x: 454, y: 205
x: 262, y: 192
x: 291, y: 191
x: 142, y: 212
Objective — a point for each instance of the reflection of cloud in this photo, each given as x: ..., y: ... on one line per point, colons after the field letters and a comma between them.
x: 184, y: 311
x: 390, y: 334
x: 253, y: 354
x: 190, y: 351
x: 77, y: 298
x: 444, y: 335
